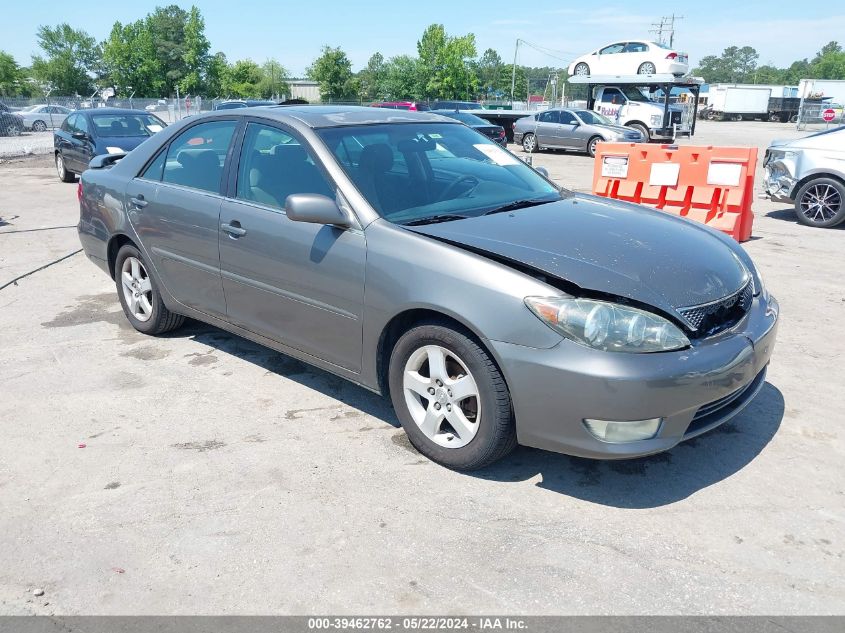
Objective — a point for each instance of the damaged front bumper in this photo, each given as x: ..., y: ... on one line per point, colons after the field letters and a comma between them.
x: 779, y: 175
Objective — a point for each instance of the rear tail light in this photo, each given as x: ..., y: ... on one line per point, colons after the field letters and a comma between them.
x: 413, y: 106
x: 79, y: 191
x: 672, y: 56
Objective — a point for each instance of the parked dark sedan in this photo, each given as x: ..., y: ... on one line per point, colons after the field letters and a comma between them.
x: 495, y: 132
x: 417, y: 258
x: 234, y: 104
x: 85, y: 134
x: 11, y: 124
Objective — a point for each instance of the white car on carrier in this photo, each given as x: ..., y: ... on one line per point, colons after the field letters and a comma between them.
x: 639, y: 57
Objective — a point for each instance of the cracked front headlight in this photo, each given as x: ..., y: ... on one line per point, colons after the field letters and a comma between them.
x: 608, y: 326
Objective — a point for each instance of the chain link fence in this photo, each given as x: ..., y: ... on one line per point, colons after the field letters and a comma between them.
x: 815, y: 116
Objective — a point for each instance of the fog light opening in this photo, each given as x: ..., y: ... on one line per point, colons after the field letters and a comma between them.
x: 617, y: 431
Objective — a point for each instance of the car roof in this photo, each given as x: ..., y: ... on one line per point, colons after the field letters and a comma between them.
x: 318, y: 116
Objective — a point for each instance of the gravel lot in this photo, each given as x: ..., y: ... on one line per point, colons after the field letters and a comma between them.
x: 27, y: 144
x: 219, y: 477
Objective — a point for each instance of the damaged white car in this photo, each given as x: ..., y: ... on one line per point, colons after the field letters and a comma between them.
x: 809, y: 172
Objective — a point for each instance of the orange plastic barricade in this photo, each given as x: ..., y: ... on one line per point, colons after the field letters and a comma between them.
x: 713, y: 185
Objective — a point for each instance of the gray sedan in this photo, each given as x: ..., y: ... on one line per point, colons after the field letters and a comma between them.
x: 415, y: 257
x: 580, y: 130
x: 42, y: 117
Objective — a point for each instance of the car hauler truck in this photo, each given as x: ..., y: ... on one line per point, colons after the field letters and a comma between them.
x: 630, y: 100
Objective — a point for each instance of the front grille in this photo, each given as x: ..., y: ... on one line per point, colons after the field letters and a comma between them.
x: 716, y: 316
x: 714, y: 413
x: 676, y: 117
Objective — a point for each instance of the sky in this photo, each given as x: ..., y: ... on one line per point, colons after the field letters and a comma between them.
x: 294, y: 32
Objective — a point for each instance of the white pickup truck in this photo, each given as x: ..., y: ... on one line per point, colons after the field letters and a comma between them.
x: 628, y: 105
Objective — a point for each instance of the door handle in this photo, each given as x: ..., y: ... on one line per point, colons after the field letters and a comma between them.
x: 234, y: 229
x: 138, y: 202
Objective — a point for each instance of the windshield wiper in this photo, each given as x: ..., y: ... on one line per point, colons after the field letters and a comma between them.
x: 434, y: 219
x: 518, y: 204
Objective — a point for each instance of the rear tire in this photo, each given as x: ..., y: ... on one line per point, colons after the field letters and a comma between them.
x: 61, y: 170
x: 821, y: 203
x: 139, y: 295
x: 647, y: 68
x: 581, y: 69
x: 529, y: 143
x: 478, y: 427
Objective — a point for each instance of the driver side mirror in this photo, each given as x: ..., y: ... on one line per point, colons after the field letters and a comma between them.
x: 80, y: 135
x: 316, y: 209
x: 542, y: 171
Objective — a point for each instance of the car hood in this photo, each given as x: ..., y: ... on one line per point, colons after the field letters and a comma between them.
x: 126, y: 143
x: 619, y: 129
x: 609, y: 247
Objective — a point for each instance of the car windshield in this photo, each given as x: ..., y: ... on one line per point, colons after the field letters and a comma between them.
x: 633, y: 94
x: 593, y: 118
x: 463, y: 117
x: 115, y: 125
x: 425, y: 172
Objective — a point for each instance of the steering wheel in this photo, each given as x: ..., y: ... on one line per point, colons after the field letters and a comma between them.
x: 450, y: 189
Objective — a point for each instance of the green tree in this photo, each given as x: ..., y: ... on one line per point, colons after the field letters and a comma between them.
x: 70, y: 59
x: 372, y: 77
x: 10, y: 75
x: 829, y: 63
x: 130, y: 56
x: 446, y: 67
x: 332, y: 70
x: 215, y: 74
x: 430, y: 49
x: 768, y: 74
x: 400, y: 79
x: 735, y: 65
x: 194, y: 52
x: 273, y: 80
x: 242, y: 79
x: 490, y: 72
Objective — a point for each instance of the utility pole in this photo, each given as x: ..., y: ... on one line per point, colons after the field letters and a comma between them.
x: 667, y: 25
x: 513, y: 71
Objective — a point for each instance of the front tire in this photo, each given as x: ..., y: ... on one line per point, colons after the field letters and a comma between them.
x: 139, y: 296
x: 591, y: 145
x: 61, y: 170
x: 11, y: 130
x: 39, y: 126
x: 821, y: 203
x: 642, y: 129
x: 529, y: 143
x: 451, y: 398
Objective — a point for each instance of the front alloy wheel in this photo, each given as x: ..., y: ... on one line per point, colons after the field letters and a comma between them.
x: 450, y: 397
x: 821, y: 203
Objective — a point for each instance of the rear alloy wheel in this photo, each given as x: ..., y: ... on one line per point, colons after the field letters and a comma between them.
x: 39, y: 126
x: 647, y: 68
x: 821, y: 203
x: 592, y: 144
x: 451, y: 398
x: 581, y: 69
x: 139, y: 296
x: 529, y: 143
x: 64, y: 174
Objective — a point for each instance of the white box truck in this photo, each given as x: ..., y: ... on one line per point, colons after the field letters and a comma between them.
x: 735, y: 103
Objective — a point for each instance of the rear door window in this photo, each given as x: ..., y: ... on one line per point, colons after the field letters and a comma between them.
x: 552, y: 116
x: 196, y: 157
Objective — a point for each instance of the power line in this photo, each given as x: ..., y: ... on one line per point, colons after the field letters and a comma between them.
x: 667, y: 25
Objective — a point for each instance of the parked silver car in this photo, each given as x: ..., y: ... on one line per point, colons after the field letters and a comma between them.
x: 579, y: 130
x: 412, y: 255
x: 43, y: 117
x: 810, y: 172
